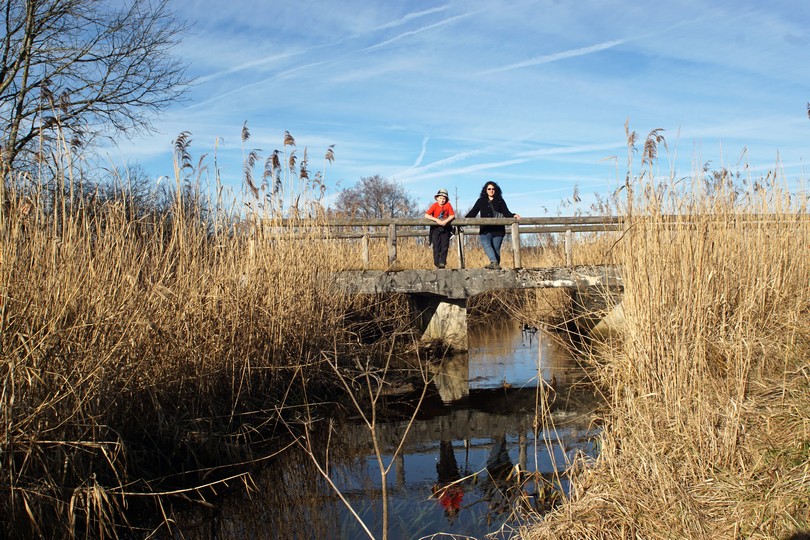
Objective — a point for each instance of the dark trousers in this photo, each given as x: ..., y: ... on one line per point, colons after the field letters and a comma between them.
x: 440, y: 238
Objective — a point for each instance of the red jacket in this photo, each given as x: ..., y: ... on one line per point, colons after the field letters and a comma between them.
x: 440, y: 211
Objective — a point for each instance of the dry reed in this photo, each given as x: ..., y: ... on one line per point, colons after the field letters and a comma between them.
x: 133, y: 347
x: 708, y: 429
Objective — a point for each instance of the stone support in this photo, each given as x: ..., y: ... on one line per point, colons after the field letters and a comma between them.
x: 442, y: 319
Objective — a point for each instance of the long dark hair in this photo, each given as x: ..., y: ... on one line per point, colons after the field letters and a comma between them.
x: 498, y: 192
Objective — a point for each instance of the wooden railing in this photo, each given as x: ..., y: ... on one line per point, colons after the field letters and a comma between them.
x: 393, y: 228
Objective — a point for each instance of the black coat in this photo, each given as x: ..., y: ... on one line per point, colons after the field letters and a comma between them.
x: 482, y: 206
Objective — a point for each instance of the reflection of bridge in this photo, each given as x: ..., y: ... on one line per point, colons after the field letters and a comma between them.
x: 484, y: 412
x: 488, y: 417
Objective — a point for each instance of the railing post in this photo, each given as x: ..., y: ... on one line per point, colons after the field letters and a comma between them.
x: 392, y: 244
x: 516, y: 243
x: 568, y: 237
x: 460, y: 242
x: 365, y: 241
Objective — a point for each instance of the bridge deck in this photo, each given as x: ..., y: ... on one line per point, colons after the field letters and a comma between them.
x: 462, y: 284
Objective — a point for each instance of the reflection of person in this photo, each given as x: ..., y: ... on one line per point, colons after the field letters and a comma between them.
x: 499, y: 464
x: 496, y: 487
x: 447, y: 490
x: 490, y: 204
x: 442, y: 213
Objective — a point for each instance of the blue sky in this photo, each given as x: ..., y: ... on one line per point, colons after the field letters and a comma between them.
x: 531, y: 94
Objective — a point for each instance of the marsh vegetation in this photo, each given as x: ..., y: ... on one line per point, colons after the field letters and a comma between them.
x: 152, y: 357
x: 708, y: 425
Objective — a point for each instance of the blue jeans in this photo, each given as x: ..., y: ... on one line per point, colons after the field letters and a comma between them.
x: 492, y: 246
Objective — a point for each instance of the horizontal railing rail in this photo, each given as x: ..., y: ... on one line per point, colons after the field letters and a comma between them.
x: 393, y: 228
x: 419, y: 221
x: 390, y: 229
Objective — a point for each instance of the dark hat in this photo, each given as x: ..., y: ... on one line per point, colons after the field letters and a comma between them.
x: 442, y: 193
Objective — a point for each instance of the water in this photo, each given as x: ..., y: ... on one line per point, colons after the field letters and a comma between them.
x: 469, y: 461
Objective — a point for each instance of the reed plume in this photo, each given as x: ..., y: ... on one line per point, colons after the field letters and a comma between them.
x: 706, y: 433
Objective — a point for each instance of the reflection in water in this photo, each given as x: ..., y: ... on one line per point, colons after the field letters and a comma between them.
x: 451, y: 377
x: 497, y: 485
x: 448, y: 490
x: 502, y: 355
x: 475, y: 454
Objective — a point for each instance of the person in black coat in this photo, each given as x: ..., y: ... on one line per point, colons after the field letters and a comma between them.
x: 491, y: 204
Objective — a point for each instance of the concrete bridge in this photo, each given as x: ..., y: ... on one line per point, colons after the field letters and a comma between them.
x: 461, y: 284
x: 439, y: 297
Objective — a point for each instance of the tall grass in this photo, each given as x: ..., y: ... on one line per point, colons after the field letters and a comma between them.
x: 136, y: 347
x: 708, y: 429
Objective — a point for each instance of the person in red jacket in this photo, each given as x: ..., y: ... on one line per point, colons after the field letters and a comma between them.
x: 442, y: 213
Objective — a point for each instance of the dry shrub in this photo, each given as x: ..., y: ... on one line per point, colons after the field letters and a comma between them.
x: 135, y: 347
x: 708, y: 430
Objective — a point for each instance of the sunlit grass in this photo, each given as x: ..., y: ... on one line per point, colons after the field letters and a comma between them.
x: 709, y: 420
x: 120, y: 334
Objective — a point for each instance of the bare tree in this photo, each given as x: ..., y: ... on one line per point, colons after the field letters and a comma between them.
x: 376, y: 197
x: 74, y: 69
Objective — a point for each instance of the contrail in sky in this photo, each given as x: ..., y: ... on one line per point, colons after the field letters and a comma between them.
x: 412, y: 175
x: 411, y: 16
x: 419, y: 30
x: 557, y: 56
x: 422, y: 153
